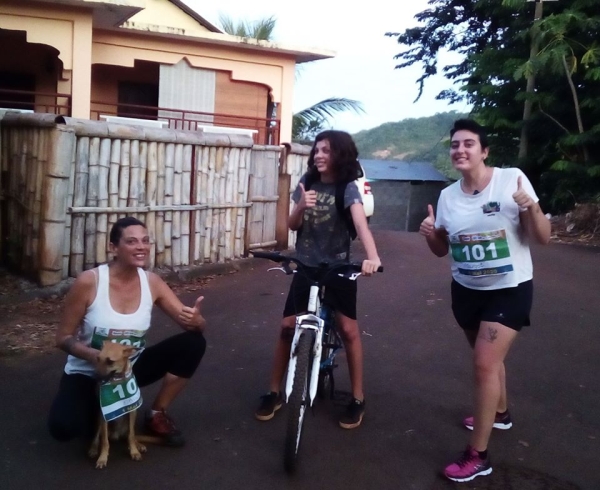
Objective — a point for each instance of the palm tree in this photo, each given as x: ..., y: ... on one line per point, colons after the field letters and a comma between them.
x: 307, y: 122
x: 261, y: 29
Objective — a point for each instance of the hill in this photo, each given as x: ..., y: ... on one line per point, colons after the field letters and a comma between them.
x: 424, y: 139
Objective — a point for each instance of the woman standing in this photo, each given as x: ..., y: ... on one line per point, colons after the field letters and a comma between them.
x: 485, y: 220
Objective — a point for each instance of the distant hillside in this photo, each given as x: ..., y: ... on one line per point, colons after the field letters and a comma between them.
x: 424, y: 139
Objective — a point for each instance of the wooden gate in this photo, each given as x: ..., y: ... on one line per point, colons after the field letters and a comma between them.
x: 262, y: 195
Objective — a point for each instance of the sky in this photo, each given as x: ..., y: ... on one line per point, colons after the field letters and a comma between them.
x: 363, y: 68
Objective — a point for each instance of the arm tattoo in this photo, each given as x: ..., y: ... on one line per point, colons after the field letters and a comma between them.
x: 67, y: 345
x: 490, y: 336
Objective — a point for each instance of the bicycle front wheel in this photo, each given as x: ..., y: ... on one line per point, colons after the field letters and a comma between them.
x: 326, y: 385
x: 299, y: 400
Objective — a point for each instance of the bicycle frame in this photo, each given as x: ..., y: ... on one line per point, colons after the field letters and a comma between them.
x: 305, y: 365
x: 308, y: 321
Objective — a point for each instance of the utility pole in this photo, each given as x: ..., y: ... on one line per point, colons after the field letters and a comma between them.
x: 535, y: 47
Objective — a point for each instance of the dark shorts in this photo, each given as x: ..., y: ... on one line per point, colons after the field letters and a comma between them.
x: 509, y: 306
x: 340, y: 294
x: 75, y: 408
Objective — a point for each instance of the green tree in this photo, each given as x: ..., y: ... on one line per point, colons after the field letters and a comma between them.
x: 494, y: 38
x: 307, y: 123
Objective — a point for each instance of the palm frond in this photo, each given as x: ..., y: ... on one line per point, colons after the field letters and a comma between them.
x: 262, y: 29
x: 327, y: 108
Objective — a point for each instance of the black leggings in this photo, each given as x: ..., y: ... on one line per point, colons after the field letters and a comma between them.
x: 75, y: 408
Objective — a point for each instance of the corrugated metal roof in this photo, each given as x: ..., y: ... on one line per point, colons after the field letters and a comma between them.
x: 399, y: 170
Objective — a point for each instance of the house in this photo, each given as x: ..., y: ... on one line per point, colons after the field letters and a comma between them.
x: 145, y: 62
x: 402, y: 191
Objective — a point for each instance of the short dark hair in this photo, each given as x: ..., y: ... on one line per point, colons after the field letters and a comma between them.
x: 473, y: 127
x: 344, y: 156
x: 116, y: 232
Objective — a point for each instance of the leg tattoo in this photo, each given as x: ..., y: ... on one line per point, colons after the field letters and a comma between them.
x: 490, y: 335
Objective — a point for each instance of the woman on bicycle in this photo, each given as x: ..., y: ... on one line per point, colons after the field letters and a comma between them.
x: 485, y: 220
x: 323, y: 235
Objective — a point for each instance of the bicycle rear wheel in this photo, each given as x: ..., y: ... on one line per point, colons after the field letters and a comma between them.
x: 299, y: 400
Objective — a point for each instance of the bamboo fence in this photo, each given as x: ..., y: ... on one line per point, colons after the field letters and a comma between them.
x: 204, y: 198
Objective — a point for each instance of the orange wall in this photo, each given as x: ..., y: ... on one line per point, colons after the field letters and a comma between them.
x: 69, y: 31
x: 106, y: 78
x: 240, y: 98
x: 262, y: 69
x: 231, y: 97
x: 34, y: 59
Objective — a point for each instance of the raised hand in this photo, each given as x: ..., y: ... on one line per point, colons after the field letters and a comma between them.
x: 308, y: 199
x: 191, y: 316
x: 428, y: 224
x: 523, y: 200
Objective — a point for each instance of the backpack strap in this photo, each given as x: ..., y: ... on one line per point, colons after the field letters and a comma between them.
x: 308, y: 182
x: 340, y: 192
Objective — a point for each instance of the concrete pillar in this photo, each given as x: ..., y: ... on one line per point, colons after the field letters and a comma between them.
x: 81, y: 76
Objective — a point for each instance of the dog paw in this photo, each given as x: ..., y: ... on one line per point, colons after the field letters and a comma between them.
x: 141, y: 447
x: 135, y: 455
x: 101, y: 463
x: 93, y: 453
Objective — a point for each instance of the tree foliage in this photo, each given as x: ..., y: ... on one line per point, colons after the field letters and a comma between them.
x: 261, y: 29
x: 494, y: 38
x: 308, y: 122
x: 423, y: 139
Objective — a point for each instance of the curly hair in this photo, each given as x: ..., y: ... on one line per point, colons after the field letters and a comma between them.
x: 344, y: 156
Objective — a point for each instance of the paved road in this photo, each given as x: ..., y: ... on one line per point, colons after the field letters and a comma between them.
x: 417, y: 383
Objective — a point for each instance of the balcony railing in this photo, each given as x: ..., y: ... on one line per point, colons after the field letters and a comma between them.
x: 264, y: 131
x: 52, y: 103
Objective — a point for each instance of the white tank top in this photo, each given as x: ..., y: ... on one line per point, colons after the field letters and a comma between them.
x: 101, y: 322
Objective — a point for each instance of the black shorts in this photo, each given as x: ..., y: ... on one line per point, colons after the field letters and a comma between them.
x: 509, y: 306
x: 340, y: 294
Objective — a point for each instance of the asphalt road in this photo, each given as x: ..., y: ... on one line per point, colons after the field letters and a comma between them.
x: 417, y: 381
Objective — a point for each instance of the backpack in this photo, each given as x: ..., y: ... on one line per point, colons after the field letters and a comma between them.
x: 340, y: 191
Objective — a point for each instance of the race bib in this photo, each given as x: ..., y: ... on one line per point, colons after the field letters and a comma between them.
x: 119, y: 396
x: 134, y: 338
x: 481, y: 254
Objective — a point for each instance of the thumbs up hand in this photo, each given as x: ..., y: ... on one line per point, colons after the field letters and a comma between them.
x: 191, y: 317
x: 308, y: 199
x: 523, y: 200
x: 428, y: 224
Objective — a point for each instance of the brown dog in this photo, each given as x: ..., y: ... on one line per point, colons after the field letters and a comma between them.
x: 113, y: 360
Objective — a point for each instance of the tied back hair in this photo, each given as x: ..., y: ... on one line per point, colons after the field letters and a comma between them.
x: 343, y: 156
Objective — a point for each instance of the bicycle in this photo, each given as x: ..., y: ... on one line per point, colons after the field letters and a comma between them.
x: 314, y: 347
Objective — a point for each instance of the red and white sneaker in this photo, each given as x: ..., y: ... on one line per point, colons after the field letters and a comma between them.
x: 468, y: 466
x: 501, y: 422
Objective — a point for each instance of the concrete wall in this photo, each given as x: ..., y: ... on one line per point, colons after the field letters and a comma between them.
x: 402, y: 205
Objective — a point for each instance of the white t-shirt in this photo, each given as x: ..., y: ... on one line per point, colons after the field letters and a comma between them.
x: 488, y: 246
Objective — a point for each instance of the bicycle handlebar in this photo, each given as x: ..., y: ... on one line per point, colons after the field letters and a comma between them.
x: 277, y: 257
